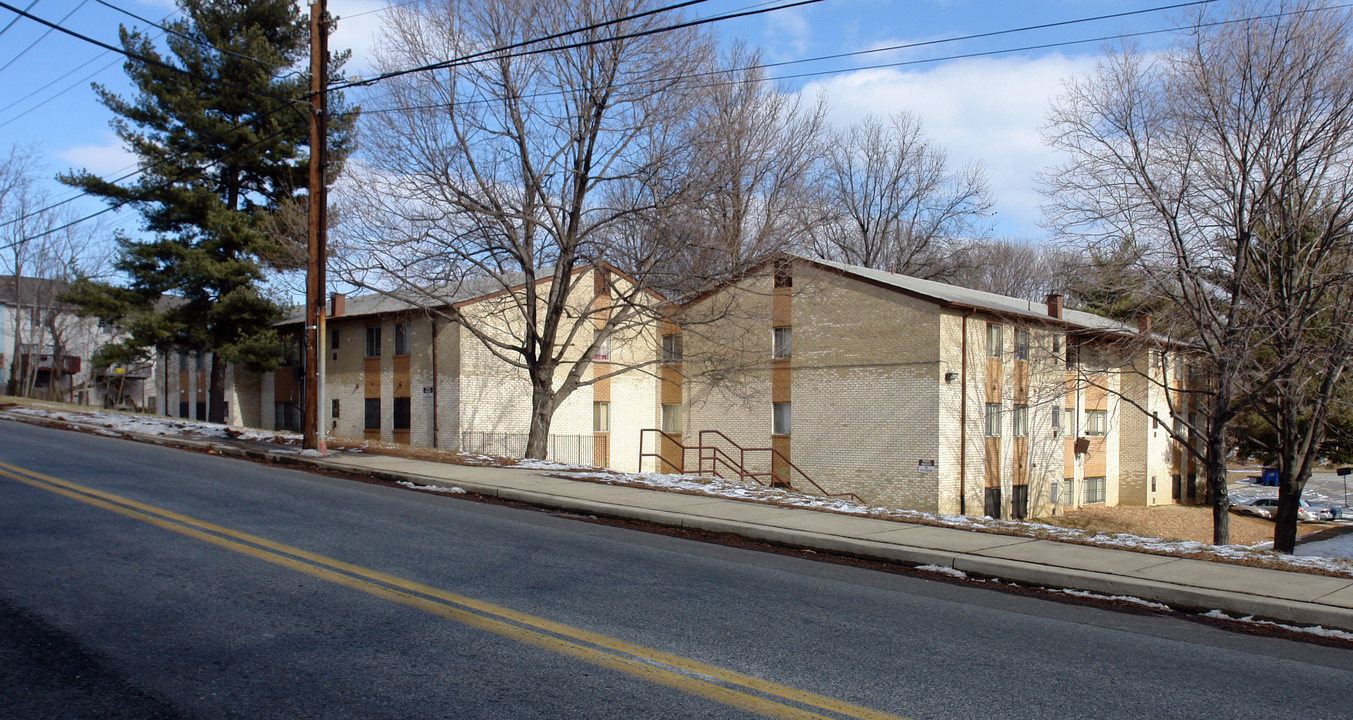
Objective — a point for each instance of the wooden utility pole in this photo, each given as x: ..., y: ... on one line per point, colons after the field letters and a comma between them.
x: 313, y: 430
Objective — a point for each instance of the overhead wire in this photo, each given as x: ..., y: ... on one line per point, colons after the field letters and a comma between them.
x: 42, y: 36
x: 10, y: 24
x: 189, y: 174
x: 181, y: 34
x: 141, y: 58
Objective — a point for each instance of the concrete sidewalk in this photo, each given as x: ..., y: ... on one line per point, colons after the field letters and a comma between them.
x: 1288, y: 597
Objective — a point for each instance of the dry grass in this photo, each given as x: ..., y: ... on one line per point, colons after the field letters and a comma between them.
x: 1174, y: 522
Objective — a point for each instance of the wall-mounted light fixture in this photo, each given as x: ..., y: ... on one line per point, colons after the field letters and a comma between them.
x: 950, y: 377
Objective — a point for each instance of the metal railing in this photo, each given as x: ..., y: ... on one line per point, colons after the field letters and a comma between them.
x: 582, y: 449
x: 710, y: 457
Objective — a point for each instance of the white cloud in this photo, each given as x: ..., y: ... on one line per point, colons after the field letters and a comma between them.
x: 358, y: 27
x: 989, y: 110
x: 109, y: 159
x: 788, y: 34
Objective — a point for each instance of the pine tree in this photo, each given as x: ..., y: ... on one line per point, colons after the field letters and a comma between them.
x: 223, y: 140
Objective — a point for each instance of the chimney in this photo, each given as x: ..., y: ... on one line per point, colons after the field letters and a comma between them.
x: 1144, y: 324
x: 337, y: 304
x: 1055, y: 305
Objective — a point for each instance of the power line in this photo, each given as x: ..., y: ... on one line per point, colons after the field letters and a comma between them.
x: 183, y: 35
x: 10, y: 24
x: 193, y: 172
x: 141, y: 58
x: 42, y: 36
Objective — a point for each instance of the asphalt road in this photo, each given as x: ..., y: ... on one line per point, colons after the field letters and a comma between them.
x: 143, y: 582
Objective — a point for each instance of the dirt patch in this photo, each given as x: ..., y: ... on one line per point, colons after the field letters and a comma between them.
x: 1174, y: 522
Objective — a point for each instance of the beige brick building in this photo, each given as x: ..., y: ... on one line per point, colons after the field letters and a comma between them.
x: 920, y: 395
x: 903, y: 392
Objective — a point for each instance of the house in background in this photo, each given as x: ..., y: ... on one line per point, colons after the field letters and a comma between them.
x: 46, y: 351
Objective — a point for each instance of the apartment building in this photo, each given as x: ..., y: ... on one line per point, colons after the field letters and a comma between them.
x: 919, y: 395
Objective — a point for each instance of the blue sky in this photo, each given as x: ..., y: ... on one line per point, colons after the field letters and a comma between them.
x: 985, y: 109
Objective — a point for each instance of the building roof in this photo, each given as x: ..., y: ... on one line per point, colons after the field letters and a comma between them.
x: 31, y: 291
x: 406, y: 299
x: 975, y: 299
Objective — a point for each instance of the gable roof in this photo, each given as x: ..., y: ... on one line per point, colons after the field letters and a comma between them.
x: 955, y: 296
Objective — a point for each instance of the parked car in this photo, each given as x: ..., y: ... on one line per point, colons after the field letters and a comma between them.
x: 1268, y: 508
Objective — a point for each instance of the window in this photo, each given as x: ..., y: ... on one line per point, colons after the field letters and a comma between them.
x: 183, y: 362
x: 401, y: 338
x: 784, y: 275
x: 993, y: 424
x: 373, y: 341
x: 671, y: 417
x: 993, y: 340
x: 1094, y: 490
x: 780, y: 418
x: 603, y: 344
x: 1021, y: 344
x: 671, y: 348
x: 1178, y: 368
x: 287, y: 416
x: 1096, y: 423
x: 1057, y: 422
x: 1070, y: 421
x: 401, y: 408
x: 200, y: 359
x: 1069, y: 490
x: 373, y: 413
x: 601, y: 417
x: 333, y: 339
x: 1056, y: 345
x: 336, y: 407
x: 1019, y: 421
x: 784, y: 339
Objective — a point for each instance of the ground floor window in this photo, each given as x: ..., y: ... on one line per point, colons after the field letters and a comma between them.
x: 992, y: 507
x: 601, y: 417
x: 1019, y: 502
x: 1094, y: 490
x: 671, y: 417
x: 288, y: 415
x: 402, y: 412
x: 373, y: 414
x: 1069, y: 491
x: 201, y: 413
x: 780, y: 416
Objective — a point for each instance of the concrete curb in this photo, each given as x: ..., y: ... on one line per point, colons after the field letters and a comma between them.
x: 1176, y: 595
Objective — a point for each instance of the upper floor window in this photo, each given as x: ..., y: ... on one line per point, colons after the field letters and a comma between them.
x: 601, y: 417
x: 671, y: 348
x: 784, y: 338
x: 671, y: 417
x: 603, y: 344
x: 1021, y: 344
x: 1019, y: 421
x: 993, y: 420
x: 373, y: 341
x: 1096, y: 423
x: 993, y: 340
x: 780, y: 418
x: 401, y: 338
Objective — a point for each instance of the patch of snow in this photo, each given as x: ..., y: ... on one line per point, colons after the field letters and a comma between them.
x: 941, y: 569
x: 1339, y: 546
x: 546, y: 465
x: 310, y: 452
x: 456, y: 490
x: 1119, y: 598
x: 1312, y: 630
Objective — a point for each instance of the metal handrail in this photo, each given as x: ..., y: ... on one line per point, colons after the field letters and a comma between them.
x: 719, y: 455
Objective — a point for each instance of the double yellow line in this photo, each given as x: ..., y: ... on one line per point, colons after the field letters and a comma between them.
x: 730, y: 688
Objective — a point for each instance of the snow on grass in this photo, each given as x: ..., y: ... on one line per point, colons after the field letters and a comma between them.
x: 1312, y: 630
x: 454, y: 490
x: 121, y: 423
x: 739, y: 490
x: 1118, y: 598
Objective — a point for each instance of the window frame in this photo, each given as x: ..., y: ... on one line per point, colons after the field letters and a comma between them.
x: 670, y: 412
x: 1019, y: 421
x: 671, y: 349
x: 995, y: 340
x: 991, y: 421
x: 1022, y: 344
x: 601, y: 416
x: 373, y: 341
x: 371, y: 420
x: 782, y: 342
x: 1096, y: 423
x: 402, y: 338
x: 781, y: 418
x: 602, y: 353
x: 1096, y: 490
x: 402, y: 408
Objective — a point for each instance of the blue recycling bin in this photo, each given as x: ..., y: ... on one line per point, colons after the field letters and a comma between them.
x: 1269, y: 477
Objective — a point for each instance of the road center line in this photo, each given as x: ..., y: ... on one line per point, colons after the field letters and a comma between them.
x: 674, y: 671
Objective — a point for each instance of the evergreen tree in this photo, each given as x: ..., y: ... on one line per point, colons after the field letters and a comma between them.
x: 223, y: 141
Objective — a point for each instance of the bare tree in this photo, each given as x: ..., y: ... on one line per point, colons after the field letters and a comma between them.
x: 517, y: 171
x: 892, y: 203
x: 1185, y: 154
x: 752, y: 173
x: 1009, y: 266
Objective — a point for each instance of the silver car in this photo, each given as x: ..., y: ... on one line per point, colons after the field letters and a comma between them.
x: 1268, y: 508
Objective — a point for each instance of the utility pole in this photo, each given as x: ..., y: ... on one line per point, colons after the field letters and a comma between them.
x: 313, y: 430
